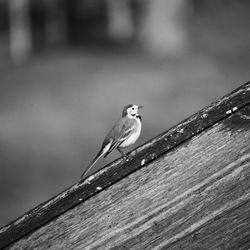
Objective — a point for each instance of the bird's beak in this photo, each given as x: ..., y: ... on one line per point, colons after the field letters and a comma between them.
x: 139, y: 107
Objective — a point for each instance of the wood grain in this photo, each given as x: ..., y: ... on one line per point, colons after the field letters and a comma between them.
x: 117, y: 170
x: 196, y: 196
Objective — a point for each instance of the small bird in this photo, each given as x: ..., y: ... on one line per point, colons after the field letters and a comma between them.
x: 124, y: 133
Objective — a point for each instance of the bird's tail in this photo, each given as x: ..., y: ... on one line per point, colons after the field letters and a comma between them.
x: 98, y: 156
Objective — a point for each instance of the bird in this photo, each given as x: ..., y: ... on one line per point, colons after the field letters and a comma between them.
x: 123, y: 134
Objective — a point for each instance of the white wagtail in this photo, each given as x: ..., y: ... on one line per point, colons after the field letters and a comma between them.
x: 123, y: 134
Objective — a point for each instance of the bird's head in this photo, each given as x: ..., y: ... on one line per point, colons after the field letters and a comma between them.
x: 131, y: 110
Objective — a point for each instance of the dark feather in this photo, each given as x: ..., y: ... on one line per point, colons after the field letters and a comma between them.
x: 124, y: 111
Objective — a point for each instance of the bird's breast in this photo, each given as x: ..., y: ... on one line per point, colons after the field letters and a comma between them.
x: 132, y: 138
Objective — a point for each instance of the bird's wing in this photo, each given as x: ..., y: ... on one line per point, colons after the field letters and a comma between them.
x: 119, y: 133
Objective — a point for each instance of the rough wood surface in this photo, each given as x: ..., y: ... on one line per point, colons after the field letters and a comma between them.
x: 196, y: 196
x: 173, y: 196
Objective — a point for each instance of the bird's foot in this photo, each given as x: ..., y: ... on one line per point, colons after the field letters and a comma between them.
x: 126, y: 158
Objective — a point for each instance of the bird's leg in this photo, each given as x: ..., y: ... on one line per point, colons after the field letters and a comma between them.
x: 123, y: 155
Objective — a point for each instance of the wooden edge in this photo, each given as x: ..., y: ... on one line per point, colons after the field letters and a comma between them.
x: 118, y: 169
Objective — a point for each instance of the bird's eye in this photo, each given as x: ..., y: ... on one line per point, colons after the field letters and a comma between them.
x: 133, y: 108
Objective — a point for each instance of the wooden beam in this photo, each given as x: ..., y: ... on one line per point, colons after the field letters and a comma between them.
x: 199, y: 167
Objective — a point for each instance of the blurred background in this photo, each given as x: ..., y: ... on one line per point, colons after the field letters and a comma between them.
x: 67, y: 68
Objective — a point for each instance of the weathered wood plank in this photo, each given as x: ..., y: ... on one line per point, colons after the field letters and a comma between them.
x: 228, y: 231
x: 188, y: 192
x: 117, y: 170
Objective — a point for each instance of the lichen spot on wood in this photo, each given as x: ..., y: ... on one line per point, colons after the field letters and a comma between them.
x: 181, y: 130
x: 91, y: 178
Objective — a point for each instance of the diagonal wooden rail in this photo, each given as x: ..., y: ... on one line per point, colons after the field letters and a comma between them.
x: 230, y: 114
